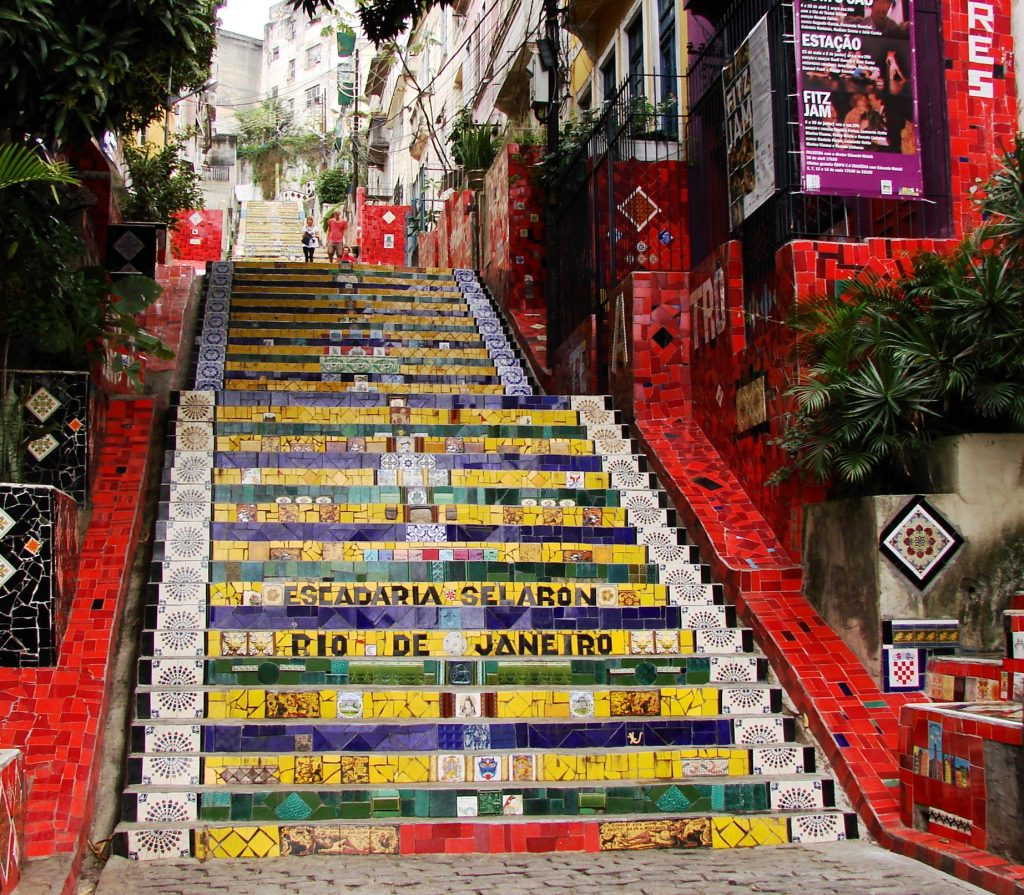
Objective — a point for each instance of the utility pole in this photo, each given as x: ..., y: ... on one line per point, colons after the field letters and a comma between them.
x: 167, y: 111
x: 551, y: 36
x: 551, y: 200
x: 355, y: 126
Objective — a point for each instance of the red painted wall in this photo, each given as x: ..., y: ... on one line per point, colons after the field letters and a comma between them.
x: 198, y: 236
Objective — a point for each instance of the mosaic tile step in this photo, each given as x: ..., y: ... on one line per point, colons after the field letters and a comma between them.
x: 566, y: 498
x: 482, y: 834
x: 511, y: 461
x: 183, y: 541
x: 361, y: 387
x: 465, y: 353
x: 316, y: 412
x: 291, y: 535
x: 453, y: 769
x: 202, y: 436
x: 429, y: 438
x: 426, y: 570
x: 193, y: 405
x: 335, y: 296
x: 199, y: 468
x: 157, y: 738
x: 324, y: 805
x: 183, y: 701
x: 491, y: 618
x: 448, y: 594
x: 364, y: 273
x: 369, y: 366
x: 307, y: 511
x: 456, y: 332
x: 180, y: 637
x: 350, y: 339
x: 366, y: 315
x: 652, y: 671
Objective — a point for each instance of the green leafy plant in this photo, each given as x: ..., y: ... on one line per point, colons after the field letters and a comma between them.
x: 269, y: 141
x: 473, y: 146
x: 333, y: 184
x: 159, y: 183
x: 887, y: 365
x: 72, y: 71
x: 56, y: 313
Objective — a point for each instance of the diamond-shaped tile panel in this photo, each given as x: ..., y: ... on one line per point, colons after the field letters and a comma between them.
x: 638, y: 208
x: 42, y: 405
x: 6, y: 570
x: 6, y: 523
x: 42, y: 447
x: 920, y: 541
x: 129, y: 245
x: 388, y: 217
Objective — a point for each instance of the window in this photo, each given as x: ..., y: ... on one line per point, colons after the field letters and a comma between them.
x: 635, y: 50
x: 274, y: 53
x: 312, y: 56
x: 313, y: 96
x: 273, y: 91
x: 291, y: 70
x: 289, y: 29
x: 667, y: 95
x: 288, y: 106
x: 586, y: 98
x: 608, y: 78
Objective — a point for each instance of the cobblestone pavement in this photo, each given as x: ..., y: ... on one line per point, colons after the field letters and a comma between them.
x: 851, y: 868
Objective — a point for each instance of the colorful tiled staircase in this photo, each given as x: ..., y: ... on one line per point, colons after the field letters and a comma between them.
x: 401, y: 603
x: 269, y: 230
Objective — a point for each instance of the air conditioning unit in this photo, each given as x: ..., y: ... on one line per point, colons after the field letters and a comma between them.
x: 539, y: 95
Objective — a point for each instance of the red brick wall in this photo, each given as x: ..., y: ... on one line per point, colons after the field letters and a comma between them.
x: 381, y: 224
x: 198, y: 235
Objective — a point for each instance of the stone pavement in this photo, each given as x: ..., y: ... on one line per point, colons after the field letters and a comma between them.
x: 848, y: 868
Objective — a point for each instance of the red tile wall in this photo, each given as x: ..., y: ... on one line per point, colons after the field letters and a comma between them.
x: 514, y: 258
x: 373, y: 228
x: 12, y: 819
x: 948, y: 772
x: 201, y: 241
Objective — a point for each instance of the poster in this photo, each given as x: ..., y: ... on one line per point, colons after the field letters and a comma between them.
x: 749, y: 140
x: 857, y: 98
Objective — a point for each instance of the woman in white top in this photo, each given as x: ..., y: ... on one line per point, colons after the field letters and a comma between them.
x: 310, y: 238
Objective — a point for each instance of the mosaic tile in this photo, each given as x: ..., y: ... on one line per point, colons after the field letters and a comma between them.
x: 919, y: 541
x: 413, y: 580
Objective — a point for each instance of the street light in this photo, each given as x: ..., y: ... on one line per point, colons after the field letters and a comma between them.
x: 172, y: 101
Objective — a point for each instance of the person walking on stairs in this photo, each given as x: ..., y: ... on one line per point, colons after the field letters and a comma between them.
x: 310, y: 238
x: 336, y: 227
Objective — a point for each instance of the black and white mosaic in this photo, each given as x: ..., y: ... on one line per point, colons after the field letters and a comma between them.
x: 38, y: 556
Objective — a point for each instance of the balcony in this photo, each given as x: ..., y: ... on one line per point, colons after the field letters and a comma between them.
x: 377, y: 141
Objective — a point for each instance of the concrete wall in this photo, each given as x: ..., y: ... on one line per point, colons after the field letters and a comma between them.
x: 977, y: 483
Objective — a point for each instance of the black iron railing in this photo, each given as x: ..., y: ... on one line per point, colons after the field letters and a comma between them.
x: 595, y: 241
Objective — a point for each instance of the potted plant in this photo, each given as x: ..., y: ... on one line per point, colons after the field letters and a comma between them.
x: 159, y: 183
x: 473, y: 147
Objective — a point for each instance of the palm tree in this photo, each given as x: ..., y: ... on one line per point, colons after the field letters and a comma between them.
x: 21, y: 164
